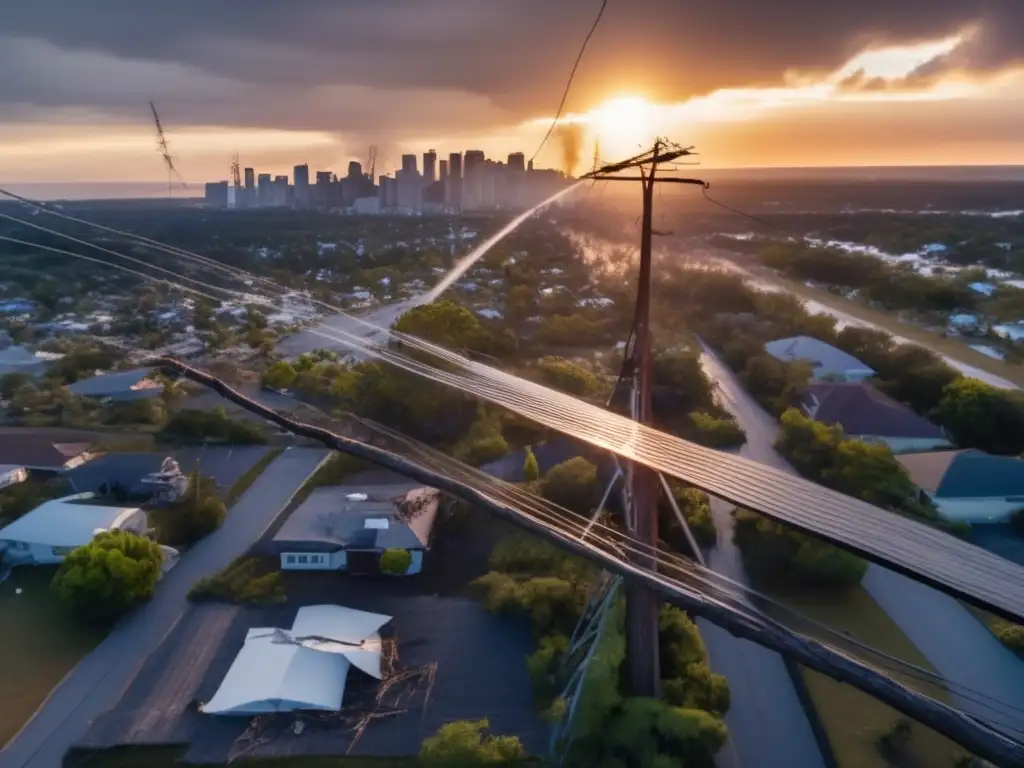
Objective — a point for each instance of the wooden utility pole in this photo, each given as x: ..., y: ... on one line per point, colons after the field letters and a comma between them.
x: 643, y: 668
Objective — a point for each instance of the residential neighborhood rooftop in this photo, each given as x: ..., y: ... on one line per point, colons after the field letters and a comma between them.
x: 41, y: 452
x: 364, y: 517
x: 121, y: 385
x: 965, y: 474
x: 65, y: 522
x: 860, y: 409
x: 824, y: 358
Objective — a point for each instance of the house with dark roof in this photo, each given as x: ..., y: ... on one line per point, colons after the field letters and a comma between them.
x: 40, y: 453
x: 136, y: 477
x: 349, y: 527
x: 827, y: 363
x: 120, y: 386
x: 971, y: 486
x: 866, y: 414
x: 17, y: 359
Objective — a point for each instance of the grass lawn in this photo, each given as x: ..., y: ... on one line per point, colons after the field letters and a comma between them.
x: 242, y: 484
x: 853, y: 719
x: 168, y: 757
x: 955, y: 348
x: 39, y: 645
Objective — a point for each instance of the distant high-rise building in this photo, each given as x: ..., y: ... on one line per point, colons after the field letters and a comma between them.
x: 264, y: 194
x: 249, y: 194
x: 473, y: 180
x: 217, y: 194
x: 517, y: 162
x: 429, y: 166
x: 529, y: 166
x: 279, y: 194
x: 301, y: 182
x: 388, y: 193
x: 355, y: 169
x: 453, y: 187
x: 323, y: 177
x: 410, y: 190
x: 409, y: 164
x: 442, y: 174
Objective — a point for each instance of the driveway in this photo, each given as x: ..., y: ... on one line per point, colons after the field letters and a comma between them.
x: 96, y: 683
x: 767, y: 722
x: 955, y: 643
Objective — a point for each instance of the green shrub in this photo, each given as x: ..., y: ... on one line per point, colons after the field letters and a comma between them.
x: 715, y: 432
x: 462, y: 744
x: 244, y: 581
x: 396, y: 561
x: 773, y: 552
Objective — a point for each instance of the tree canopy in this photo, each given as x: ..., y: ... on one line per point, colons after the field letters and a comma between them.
x: 107, y: 577
x: 978, y: 415
x: 566, y: 376
x: 573, y: 484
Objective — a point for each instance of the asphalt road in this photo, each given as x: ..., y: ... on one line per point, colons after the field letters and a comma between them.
x: 767, y: 723
x: 955, y: 643
x: 99, y: 679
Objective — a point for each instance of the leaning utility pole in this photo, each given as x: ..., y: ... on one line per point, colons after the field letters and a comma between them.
x: 641, y: 499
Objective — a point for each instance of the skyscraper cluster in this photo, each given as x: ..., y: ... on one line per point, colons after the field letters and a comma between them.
x: 462, y: 182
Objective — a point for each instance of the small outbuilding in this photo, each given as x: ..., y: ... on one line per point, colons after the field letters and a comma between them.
x: 350, y: 527
x: 48, y: 533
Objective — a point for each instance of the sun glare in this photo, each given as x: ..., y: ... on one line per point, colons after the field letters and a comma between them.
x: 623, y: 124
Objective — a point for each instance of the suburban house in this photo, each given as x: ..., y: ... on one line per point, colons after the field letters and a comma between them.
x: 121, y: 386
x: 969, y: 485
x: 827, y: 362
x: 19, y: 360
x: 50, y: 531
x: 140, y: 477
x: 866, y: 414
x: 349, y: 527
x: 302, y: 668
x: 39, y: 453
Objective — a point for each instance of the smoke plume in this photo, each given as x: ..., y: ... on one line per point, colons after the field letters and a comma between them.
x: 570, y: 138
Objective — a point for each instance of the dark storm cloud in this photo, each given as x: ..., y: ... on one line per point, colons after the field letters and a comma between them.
x: 260, y: 62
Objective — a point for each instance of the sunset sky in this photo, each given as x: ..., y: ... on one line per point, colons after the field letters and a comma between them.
x: 748, y: 82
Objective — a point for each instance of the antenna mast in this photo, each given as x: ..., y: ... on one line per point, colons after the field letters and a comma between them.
x: 165, y: 151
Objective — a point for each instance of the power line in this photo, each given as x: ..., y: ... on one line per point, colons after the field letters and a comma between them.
x: 568, y: 84
x: 737, y: 211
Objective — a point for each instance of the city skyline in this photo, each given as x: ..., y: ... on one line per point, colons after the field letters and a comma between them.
x: 921, y: 82
x: 464, y: 181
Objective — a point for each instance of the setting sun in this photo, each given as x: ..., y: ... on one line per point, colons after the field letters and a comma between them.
x: 623, y: 124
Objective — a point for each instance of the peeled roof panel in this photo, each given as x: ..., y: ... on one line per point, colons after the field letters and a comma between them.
x: 337, y: 622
